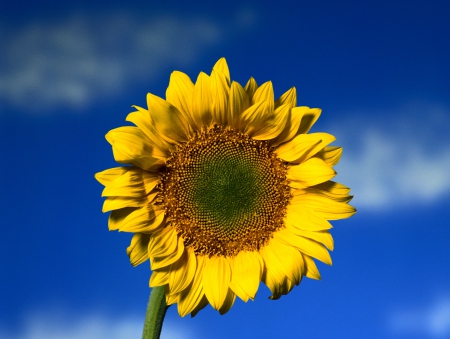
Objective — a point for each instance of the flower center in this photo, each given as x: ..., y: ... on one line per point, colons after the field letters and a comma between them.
x: 224, y: 192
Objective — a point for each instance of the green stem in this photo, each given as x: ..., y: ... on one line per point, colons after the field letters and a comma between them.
x: 156, y: 310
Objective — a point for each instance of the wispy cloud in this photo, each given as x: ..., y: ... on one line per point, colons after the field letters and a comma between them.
x: 396, y: 159
x: 431, y: 321
x: 51, y: 324
x: 74, y: 61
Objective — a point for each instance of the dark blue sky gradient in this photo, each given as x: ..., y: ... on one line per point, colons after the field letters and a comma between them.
x: 351, y: 58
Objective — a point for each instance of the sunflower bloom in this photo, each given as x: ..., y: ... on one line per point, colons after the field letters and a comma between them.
x: 224, y: 188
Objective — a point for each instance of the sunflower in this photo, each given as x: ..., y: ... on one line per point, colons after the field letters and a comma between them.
x: 224, y: 188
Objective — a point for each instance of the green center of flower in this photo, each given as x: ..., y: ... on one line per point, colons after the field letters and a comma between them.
x: 227, y: 187
x: 225, y: 192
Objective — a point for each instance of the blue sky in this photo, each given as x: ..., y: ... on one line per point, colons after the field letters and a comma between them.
x: 69, y: 73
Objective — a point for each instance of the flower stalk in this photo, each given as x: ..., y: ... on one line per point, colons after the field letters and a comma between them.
x: 156, y: 310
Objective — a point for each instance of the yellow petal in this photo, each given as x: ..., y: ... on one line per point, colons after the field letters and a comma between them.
x: 253, y: 121
x: 278, y: 284
x: 131, y: 146
x: 297, y: 147
x: 331, y: 155
x: 142, y: 119
x: 265, y: 93
x: 311, y: 268
x: 247, y: 268
x: 272, y: 276
x: 330, y: 189
x: 308, y: 119
x: 251, y: 88
x: 150, y: 180
x: 273, y: 281
x: 302, y: 218
x: 219, y: 91
x: 273, y: 125
x: 286, y: 258
x: 143, y: 220
x: 163, y: 242
x: 179, y: 93
x: 201, y: 305
x: 288, y: 98
x: 168, y: 258
x: 137, y: 251
x: 107, y: 176
x: 309, y: 173
x: 287, y: 286
x: 325, y: 139
x: 116, y: 217
x: 202, y: 101
x: 221, y: 66
x: 182, y: 271
x: 152, y: 197
x: 216, y: 280
x: 323, y: 237
x: 171, y: 124
x: 115, y: 203
x: 192, y: 296
x: 159, y: 277
x: 228, y: 303
x: 239, y: 291
x: 171, y: 298
x: 252, y: 118
x: 127, y: 185
x: 305, y: 245
x: 292, y: 125
x: 322, y: 205
x: 238, y: 103
x: 303, y: 146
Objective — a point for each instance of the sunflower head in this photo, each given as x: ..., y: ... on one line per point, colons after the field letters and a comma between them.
x: 224, y: 188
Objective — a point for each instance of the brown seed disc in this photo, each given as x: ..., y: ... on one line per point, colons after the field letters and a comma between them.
x: 224, y: 192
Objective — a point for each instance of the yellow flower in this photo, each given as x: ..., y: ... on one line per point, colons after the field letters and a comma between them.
x: 226, y: 189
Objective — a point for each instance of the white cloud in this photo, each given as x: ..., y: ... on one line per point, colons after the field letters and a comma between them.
x: 51, y: 324
x: 432, y: 321
x: 74, y: 61
x: 398, y: 159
